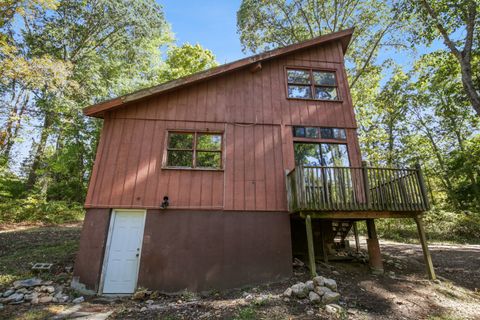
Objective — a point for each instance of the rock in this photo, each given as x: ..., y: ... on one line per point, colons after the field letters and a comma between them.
x: 22, y: 290
x: 310, y: 312
x: 335, y: 272
x: 8, y: 293
x: 330, y: 297
x: 1, y: 306
x: 322, y: 290
x: 315, y: 298
x: 318, y: 281
x: 78, y: 300
x: 27, y: 283
x: 331, y: 284
x: 298, y: 263
x: 288, y: 292
x: 333, y: 308
x: 299, y: 290
x: 14, y: 297
x: 247, y: 297
x: 391, y: 274
x: 149, y: 301
x: 34, y: 300
x: 45, y: 299
x: 31, y: 296
x: 309, y: 284
x: 143, y: 309
x: 49, y: 289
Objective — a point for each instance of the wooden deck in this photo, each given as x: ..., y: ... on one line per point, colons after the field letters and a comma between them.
x: 349, y: 192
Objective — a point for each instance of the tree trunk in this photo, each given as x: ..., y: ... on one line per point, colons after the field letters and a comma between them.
x: 467, y: 81
x: 12, y: 129
x: 39, y: 152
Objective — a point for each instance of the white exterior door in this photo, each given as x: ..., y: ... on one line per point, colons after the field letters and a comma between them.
x: 123, y: 251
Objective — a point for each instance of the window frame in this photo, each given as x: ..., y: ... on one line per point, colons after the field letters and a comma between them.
x: 194, y: 149
x: 312, y: 83
x: 320, y: 136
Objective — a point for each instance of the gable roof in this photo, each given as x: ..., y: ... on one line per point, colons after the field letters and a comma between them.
x: 97, y: 110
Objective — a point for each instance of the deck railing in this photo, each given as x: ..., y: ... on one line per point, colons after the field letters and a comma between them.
x: 317, y: 188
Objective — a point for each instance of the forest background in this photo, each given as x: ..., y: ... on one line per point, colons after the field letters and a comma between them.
x: 58, y: 56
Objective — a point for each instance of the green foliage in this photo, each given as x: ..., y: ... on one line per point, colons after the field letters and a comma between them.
x: 185, y: 60
x: 40, y: 210
x: 246, y: 313
x: 265, y: 25
x: 441, y: 226
x: 56, y: 57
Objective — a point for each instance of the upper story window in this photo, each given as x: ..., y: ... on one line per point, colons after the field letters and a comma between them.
x: 195, y: 150
x: 312, y: 84
x: 323, y: 133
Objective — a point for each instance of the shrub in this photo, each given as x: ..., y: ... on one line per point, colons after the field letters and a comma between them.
x: 39, y: 210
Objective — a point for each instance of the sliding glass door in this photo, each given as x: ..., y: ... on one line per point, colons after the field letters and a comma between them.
x: 321, y: 154
x: 327, y: 177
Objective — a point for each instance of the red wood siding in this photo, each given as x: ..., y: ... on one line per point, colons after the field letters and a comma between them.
x: 256, y: 117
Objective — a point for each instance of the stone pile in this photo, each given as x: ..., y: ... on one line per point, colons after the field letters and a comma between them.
x: 319, y: 290
x: 35, y: 291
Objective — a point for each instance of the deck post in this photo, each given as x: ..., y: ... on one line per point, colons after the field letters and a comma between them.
x: 366, y: 184
x: 426, y: 252
x: 375, y: 257
x: 423, y: 188
x: 355, y: 233
x: 311, y: 252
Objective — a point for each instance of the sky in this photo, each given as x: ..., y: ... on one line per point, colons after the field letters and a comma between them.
x: 212, y: 24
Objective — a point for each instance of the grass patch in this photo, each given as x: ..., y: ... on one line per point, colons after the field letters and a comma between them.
x: 246, y: 313
x: 20, y: 249
x: 34, y: 315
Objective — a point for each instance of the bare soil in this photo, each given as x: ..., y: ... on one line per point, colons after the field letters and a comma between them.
x: 403, y: 292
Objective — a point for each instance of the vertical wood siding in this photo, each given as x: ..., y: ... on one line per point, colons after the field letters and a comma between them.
x: 256, y: 117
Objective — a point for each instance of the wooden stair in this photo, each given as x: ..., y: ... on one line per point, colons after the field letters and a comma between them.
x: 340, y: 229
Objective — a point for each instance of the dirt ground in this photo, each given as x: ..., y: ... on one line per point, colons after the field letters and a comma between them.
x: 401, y: 293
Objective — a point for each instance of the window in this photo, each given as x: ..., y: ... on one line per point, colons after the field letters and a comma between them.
x: 333, y: 133
x: 312, y: 84
x: 200, y: 150
x: 321, y: 154
x: 315, y: 133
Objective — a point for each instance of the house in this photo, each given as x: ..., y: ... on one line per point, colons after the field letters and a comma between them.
x: 216, y: 180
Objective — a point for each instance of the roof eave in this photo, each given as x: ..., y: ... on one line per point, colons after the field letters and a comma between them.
x: 97, y: 110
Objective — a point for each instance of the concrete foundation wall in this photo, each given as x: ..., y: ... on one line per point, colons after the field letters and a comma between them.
x: 196, y: 250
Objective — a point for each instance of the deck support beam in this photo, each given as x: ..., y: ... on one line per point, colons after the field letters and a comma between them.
x: 426, y: 253
x: 311, y: 251
x: 375, y: 257
x: 355, y: 233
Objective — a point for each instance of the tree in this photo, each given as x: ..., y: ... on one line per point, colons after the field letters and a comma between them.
x: 264, y: 25
x: 449, y: 21
x: 112, y: 46
x: 185, y: 60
